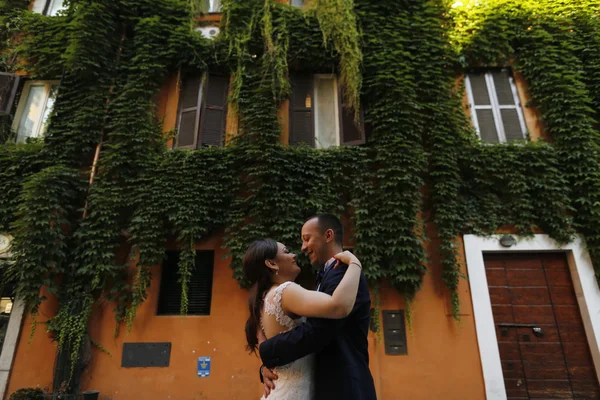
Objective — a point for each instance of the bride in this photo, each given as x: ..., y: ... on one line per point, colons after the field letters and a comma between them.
x: 277, y: 305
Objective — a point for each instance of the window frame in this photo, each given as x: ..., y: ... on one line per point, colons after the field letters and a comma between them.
x: 47, y: 6
x: 204, y: 106
x: 10, y: 101
x: 494, y: 106
x: 211, y: 287
x: 36, y: 131
x: 362, y: 126
x: 292, y: 109
x: 339, y: 109
x: 218, y: 11
x: 197, y: 108
x: 200, y: 108
x: 338, y: 105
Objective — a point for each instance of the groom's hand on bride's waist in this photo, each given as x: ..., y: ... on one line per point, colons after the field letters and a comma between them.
x: 268, y: 378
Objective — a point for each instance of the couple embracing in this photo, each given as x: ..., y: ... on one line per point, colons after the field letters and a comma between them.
x: 313, y: 344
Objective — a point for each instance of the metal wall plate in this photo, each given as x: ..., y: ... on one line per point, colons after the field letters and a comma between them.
x: 138, y: 355
x: 394, y: 332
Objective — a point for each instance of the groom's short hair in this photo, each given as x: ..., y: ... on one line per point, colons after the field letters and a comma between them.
x: 329, y: 221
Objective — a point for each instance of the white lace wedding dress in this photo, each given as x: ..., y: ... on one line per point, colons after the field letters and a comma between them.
x: 296, y: 380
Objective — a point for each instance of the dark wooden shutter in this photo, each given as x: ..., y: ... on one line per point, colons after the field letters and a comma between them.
x: 485, y: 116
x: 512, y: 125
x: 352, y: 133
x: 215, y: 111
x: 199, y: 288
x: 9, y: 84
x: 503, y: 88
x: 302, y: 126
x: 190, y: 98
x: 506, y: 98
x: 487, y: 126
x: 479, y: 88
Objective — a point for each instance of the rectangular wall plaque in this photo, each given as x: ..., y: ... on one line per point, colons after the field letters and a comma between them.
x: 138, y: 355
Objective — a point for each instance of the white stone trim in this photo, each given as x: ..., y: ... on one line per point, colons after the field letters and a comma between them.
x: 11, y: 340
x: 586, y: 290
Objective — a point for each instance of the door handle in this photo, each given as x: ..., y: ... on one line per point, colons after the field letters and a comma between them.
x: 537, y: 331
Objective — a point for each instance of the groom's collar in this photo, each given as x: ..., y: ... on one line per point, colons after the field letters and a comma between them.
x: 329, y: 264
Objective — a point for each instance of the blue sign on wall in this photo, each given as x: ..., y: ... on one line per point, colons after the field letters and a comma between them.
x: 203, y: 367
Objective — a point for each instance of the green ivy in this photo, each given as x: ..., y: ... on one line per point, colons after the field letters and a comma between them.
x: 555, y: 46
x: 17, y: 163
x: 338, y: 24
x: 422, y: 166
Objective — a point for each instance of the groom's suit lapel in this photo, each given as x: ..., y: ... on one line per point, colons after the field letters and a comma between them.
x: 324, y: 277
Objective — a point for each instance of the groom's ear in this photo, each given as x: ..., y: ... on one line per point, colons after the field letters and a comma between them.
x: 329, y: 235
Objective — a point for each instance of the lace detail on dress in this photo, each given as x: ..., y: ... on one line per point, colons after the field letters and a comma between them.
x: 296, y: 379
x: 273, y: 306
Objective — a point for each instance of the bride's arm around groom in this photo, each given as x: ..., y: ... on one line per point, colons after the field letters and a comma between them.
x: 341, y: 345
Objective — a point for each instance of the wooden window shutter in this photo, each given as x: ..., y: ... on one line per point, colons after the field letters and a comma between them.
x: 508, y: 105
x: 215, y: 111
x: 487, y: 126
x: 199, y: 286
x: 482, y: 108
x: 495, y: 106
x: 190, y: 99
x: 9, y: 84
x: 301, y: 111
x: 512, y: 125
x: 352, y: 134
x: 481, y: 96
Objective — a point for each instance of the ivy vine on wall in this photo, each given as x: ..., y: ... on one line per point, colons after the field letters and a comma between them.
x: 399, y: 60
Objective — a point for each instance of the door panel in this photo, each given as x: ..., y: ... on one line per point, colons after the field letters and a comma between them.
x: 541, y: 338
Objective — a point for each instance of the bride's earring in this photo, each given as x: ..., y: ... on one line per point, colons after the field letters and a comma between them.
x: 277, y: 272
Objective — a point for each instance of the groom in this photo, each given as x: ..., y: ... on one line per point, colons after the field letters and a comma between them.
x: 341, y: 347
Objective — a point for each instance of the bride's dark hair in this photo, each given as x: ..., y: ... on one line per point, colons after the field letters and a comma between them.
x: 259, y: 275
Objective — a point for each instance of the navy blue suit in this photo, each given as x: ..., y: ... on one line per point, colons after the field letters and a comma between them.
x: 341, y: 346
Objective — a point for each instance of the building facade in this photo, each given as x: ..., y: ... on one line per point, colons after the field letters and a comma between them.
x: 529, y: 319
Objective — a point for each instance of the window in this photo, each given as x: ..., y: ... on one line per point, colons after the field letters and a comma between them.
x: 211, y: 6
x: 35, y: 106
x: 297, y: 3
x: 202, y: 111
x: 199, y: 287
x: 48, y: 7
x: 495, y: 106
x: 6, y: 305
x: 9, y: 84
x: 317, y: 117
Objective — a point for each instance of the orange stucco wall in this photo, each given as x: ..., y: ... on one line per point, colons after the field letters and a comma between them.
x: 443, y: 359
x: 219, y: 335
x: 443, y: 356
